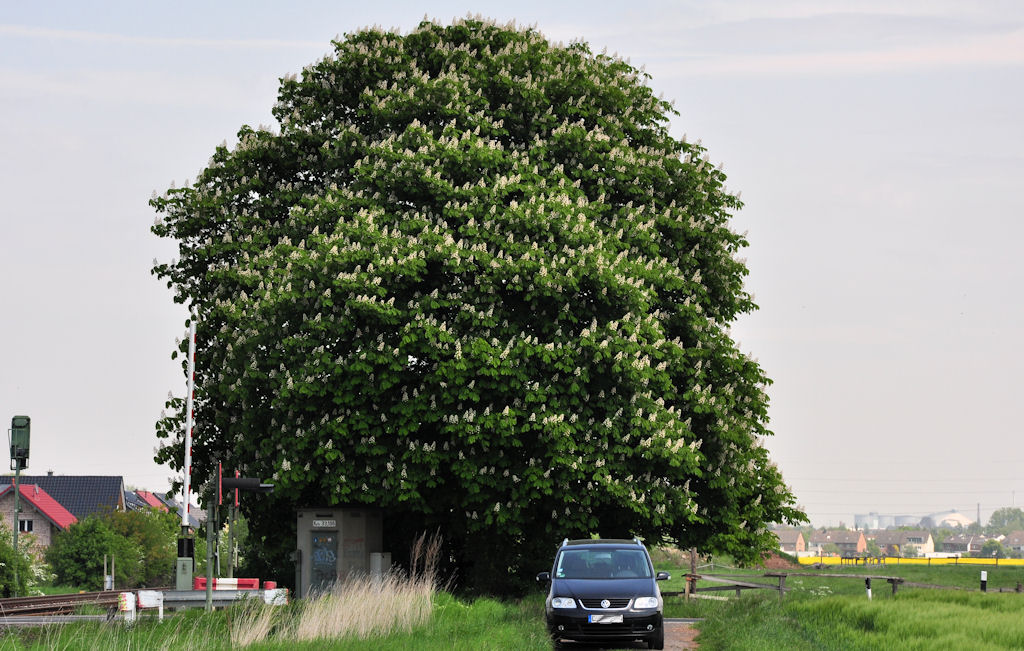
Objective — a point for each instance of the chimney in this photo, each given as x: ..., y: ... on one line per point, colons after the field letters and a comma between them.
x: 49, y: 473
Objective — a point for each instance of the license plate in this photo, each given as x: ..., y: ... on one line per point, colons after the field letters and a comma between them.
x: 604, y: 619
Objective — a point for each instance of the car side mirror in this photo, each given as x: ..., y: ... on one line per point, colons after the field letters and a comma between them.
x: 544, y: 576
x: 662, y: 576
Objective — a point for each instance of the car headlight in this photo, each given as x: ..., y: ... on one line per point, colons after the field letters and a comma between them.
x: 563, y: 602
x: 646, y: 602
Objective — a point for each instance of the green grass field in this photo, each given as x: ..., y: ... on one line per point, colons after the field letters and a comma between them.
x: 817, y: 613
x: 454, y: 625
x: 834, y: 613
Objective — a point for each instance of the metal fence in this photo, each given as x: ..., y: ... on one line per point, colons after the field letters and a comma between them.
x: 896, y: 560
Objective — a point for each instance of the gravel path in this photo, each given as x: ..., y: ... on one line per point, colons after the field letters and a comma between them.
x: 679, y: 635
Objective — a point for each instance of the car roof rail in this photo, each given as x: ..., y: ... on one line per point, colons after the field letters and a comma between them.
x: 637, y: 541
x: 565, y: 542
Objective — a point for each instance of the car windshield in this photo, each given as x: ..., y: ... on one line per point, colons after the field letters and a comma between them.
x: 602, y: 564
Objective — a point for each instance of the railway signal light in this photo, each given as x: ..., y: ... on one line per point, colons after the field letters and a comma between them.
x: 20, y: 434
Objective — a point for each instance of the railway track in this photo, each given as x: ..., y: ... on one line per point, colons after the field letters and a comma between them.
x: 63, y: 604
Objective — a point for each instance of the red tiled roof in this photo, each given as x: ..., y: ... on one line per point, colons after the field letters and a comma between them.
x: 151, y: 499
x: 46, y: 505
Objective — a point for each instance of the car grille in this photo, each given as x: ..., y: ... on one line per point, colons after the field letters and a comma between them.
x: 596, y: 603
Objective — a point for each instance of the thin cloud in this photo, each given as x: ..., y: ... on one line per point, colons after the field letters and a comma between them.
x: 127, y: 87
x: 727, y: 12
x: 26, y: 31
x: 990, y: 50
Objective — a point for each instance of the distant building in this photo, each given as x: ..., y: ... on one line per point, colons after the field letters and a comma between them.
x: 952, y: 519
x: 791, y: 541
x: 1014, y: 542
x: 895, y: 542
x: 876, y: 521
x: 848, y: 542
x: 964, y: 543
x: 865, y: 521
x: 196, y: 515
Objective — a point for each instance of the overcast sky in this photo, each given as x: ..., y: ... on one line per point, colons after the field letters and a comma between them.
x: 879, y: 148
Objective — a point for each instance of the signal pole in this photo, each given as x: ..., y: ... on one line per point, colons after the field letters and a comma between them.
x: 186, y: 544
x: 19, y: 440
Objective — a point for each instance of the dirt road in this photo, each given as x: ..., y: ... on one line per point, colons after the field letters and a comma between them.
x: 679, y: 636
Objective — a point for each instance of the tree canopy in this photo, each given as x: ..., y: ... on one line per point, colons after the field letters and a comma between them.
x: 472, y: 279
x: 77, y: 555
x: 1005, y: 520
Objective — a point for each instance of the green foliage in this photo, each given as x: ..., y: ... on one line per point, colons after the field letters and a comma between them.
x: 873, y: 549
x: 76, y: 555
x: 474, y: 281
x: 1005, y: 520
x: 155, y: 533
x: 12, y: 563
x: 993, y: 549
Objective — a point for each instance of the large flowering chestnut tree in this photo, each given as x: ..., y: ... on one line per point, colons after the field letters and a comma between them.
x: 470, y: 278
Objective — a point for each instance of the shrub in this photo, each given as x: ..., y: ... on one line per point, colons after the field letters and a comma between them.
x: 155, y: 533
x: 77, y: 555
x: 13, y: 563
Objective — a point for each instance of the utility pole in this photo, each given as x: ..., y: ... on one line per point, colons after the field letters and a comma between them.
x: 232, y: 512
x: 19, y: 442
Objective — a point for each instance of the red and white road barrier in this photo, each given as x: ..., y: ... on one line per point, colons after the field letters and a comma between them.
x: 199, y: 583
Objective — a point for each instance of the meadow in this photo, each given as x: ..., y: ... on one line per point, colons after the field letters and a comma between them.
x: 821, y: 612
x: 818, y: 612
x: 452, y: 624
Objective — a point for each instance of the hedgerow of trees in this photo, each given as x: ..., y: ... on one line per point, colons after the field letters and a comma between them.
x: 472, y: 279
x: 77, y: 554
x: 140, y: 549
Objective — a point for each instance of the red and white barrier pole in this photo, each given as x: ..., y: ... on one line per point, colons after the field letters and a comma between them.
x: 189, y: 421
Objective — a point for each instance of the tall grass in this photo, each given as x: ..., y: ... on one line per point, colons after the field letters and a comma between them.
x: 359, y: 607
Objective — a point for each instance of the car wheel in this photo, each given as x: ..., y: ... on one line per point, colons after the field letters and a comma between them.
x: 658, y: 641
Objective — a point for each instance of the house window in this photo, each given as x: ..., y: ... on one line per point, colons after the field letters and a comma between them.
x: 25, y: 525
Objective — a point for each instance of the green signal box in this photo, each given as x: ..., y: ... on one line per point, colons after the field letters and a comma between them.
x: 20, y: 427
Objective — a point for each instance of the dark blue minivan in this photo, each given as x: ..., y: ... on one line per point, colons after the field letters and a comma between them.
x: 604, y: 591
